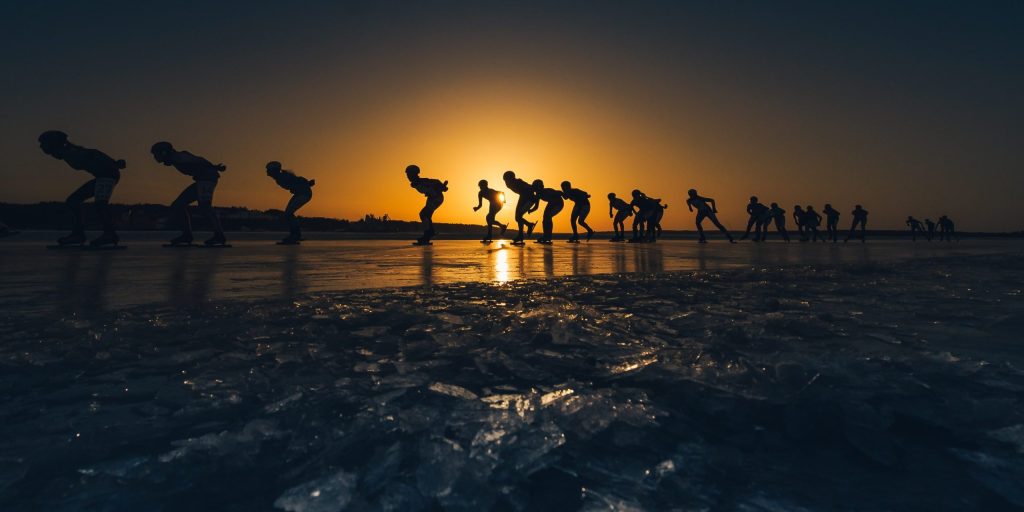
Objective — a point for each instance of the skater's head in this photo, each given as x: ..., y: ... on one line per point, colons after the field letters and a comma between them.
x: 483, y: 184
x: 828, y: 206
x: 566, y: 186
x: 753, y: 199
x: 53, y: 142
x: 508, y: 176
x: 857, y: 207
x: 162, y: 152
x: 775, y: 205
x: 810, y: 208
x: 797, y: 207
x: 538, y: 185
x: 412, y: 171
x: 611, y: 195
x: 636, y: 193
x: 273, y: 167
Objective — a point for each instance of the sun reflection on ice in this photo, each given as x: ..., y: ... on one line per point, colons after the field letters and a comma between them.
x: 501, y: 266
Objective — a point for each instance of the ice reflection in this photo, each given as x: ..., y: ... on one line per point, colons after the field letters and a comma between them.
x: 500, y: 265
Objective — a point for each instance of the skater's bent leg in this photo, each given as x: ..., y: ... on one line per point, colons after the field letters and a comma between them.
x: 180, y: 207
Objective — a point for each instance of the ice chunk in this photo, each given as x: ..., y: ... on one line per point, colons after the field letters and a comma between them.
x: 453, y: 390
x: 331, y: 493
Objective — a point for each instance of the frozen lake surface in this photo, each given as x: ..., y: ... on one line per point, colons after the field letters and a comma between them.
x: 43, y: 281
x: 755, y: 378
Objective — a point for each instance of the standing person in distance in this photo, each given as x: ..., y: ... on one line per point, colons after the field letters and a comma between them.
x: 302, y: 193
x: 811, y: 222
x: 831, y: 223
x: 106, y: 173
x: 205, y: 176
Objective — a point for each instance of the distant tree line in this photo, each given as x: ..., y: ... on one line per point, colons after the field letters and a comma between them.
x: 154, y: 217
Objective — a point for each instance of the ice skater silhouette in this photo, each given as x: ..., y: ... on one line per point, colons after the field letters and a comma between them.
x: 205, y: 176
x: 946, y: 229
x: 526, y: 203
x: 554, y: 201
x: 706, y: 209
x: 860, y: 218
x: 496, y: 200
x: 434, y: 191
x: 931, y: 229
x: 831, y: 223
x: 302, y: 193
x: 811, y: 222
x: 756, y: 212
x: 798, y: 219
x: 779, y: 216
x: 580, y: 210
x: 915, y: 227
x: 646, y: 223
x: 618, y: 210
x: 106, y: 173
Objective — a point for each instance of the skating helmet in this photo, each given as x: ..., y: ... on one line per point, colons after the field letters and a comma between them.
x: 273, y: 165
x: 508, y: 175
x: 692, y: 192
x: 412, y: 170
x: 566, y: 185
x: 611, y: 195
x: 161, y: 148
x: 482, y: 184
x: 538, y: 184
x: 753, y: 199
x: 53, y: 138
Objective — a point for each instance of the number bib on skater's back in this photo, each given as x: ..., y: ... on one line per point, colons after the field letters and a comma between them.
x: 103, y: 188
x: 204, y: 191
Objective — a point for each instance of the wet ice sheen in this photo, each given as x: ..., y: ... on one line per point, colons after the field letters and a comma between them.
x: 864, y: 387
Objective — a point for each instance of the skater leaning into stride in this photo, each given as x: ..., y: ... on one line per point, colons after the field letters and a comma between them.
x: 526, y: 203
x: 931, y: 229
x: 811, y: 222
x: 779, y: 216
x: 946, y: 229
x: 706, y: 209
x: 554, y: 201
x: 205, y: 176
x: 860, y: 218
x: 915, y: 227
x: 302, y: 192
x: 618, y: 210
x: 831, y: 223
x: 434, y: 191
x: 798, y: 219
x: 580, y: 210
x: 106, y: 173
x: 496, y: 200
x: 756, y: 212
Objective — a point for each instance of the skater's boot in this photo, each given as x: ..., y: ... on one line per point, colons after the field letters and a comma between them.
x: 503, y: 229
x: 182, y: 239
x: 77, y: 237
x: 217, y: 239
x: 105, y: 239
x: 529, y: 228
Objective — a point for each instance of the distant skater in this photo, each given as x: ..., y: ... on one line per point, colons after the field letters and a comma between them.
x: 618, y: 210
x: 831, y: 223
x: 706, y: 209
x: 779, y: 216
x: 205, y: 176
x: 811, y: 222
x: 931, y: 229
x: 646, y: 223
x: 434, y: 191
x: 580, y: 210
x: 496, y: 200
x: 755, y: 211
x: 106, y: 173
x: 860, y: 218
x: 554, y: 201
x: 798, y: 219
x: 526, y: 203
x: 946, y: 229
x: 915, y: 227
x: 302, y: 193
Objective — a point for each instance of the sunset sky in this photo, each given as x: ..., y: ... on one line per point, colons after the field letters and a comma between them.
x: 904, y: 107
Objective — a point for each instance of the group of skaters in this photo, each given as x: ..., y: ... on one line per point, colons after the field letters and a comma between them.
x: 106, y: 172
x: 647, y: 212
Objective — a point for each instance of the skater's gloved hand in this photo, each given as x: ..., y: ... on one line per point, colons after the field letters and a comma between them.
x: 221, y: 167
x: 475, y: 208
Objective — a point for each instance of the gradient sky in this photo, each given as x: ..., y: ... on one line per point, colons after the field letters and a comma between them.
x: 905, y: 107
